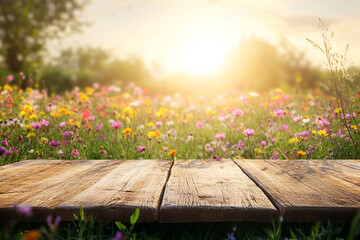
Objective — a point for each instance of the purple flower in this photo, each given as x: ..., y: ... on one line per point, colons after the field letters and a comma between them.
x: 98, y: 127
x: 4, y: 143
x: 2, y: 150
x: 215, y: 157
x: 68, y: 134
x: 240, y: 144
x: 231, y: 236
x: 118, y: 236
x: 62, y: 124
x: 20, y: 138
x: 54, y: 144
x: 24, y: 210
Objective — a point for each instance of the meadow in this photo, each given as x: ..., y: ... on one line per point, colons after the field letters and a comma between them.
x: 107, y: 122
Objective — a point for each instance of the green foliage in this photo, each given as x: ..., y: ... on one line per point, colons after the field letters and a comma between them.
x: 26, y: 26
x: 129, y: 231
x: 84, y: 225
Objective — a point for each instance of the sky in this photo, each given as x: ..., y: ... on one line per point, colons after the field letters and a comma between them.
x: 196, y: 35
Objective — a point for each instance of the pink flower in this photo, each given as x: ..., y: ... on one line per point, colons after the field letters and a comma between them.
x: 91, y: 118
x: 249, y: 132
x: 44, y: 123
x: 220, y: 136
x: 116, y: 125
x: 284, y: 127
x: 98, y: 127
x: 263, y: 143
x: 10, y: 78
x: 36, y: 125
x: 199, y: 125
x: 279, y: 112
x: 237, y: 112
x: 215, y: 157
x: 75, y: 152
x: 141, y: 149
x: 62, y: 124
x: 158, y: 124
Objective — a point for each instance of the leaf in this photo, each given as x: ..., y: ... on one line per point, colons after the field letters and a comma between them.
x: 121, y: 226
x: 135, y: 216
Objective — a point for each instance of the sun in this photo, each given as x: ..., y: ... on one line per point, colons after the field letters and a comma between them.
x: 203, y: 52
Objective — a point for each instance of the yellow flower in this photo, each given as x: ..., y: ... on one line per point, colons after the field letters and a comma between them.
x: 257, y: 150
x: 43, y: 140
x: 300, y: 152
x: 89, y: 90
x: 150, y: 124
x: 161, y: 113
x: 151, y: 134
x: 31, y: 135
x: 28, y: 128
x: 29, y: 91
x: 354, y: 127
x: 313, y: 131
x: 127, y: 131
x: 293, y: 140
x: 337, y: 110
x: 158, y: 133
x: 7, y: 87
x: 322, y: 133
x: 129, y: 112
x: 27, y: 108
x: 83, y: 97
x: 33, y: 116
x: 209, y: 111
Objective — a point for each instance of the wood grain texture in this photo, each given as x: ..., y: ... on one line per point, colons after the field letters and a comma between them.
x: 45, y: 184
x: 213, y: 191
x: 133, y: 184
x: 303, y: 191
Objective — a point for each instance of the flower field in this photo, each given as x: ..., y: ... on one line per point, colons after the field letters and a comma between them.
x: 106, y: 122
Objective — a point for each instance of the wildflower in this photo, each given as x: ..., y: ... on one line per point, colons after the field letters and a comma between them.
x: 190, y: 137
x: 118, y: 236
x: 215, y: 157
x: 249, y: 132
x: 68, y: 134
x: 32, y: 235
x: 322, y: 133
x: 354, y: 127
x: 36, y: 125
x: 237, y: 112
x: 158, y: 124
x: 279, y: 112
x: 24, y: 210
x: 258, y: 150
x: 150, y: 124
x: 9, y: 78
x: 263, y: 143
x: 53, y: 223
x: 300, y: 152
x: 43, y: 140
x: 2, y: 150
x: 172, y: 152
x: 45, y: 123
x: 127, y: 131
x: 31, y: 135
x: 4, y: 143
x: 151, y: 134
x: 231, y: 236
x: 199, y: 125
x: 116, y: 125
x: 220, y: 136
x: 293, y: 140
x: 98, y: 127
x: 141, y: 149
x: 54, y: 144
x: 337, y: 110
x: 313, y: 132
x: 33, y: 116
x: 75, y: 152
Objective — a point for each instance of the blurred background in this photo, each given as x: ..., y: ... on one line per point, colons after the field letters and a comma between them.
x: 190, y: 46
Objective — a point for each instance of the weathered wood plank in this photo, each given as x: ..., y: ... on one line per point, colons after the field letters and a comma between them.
x: 133, y: 184
x: 303, y: 193
x: 213, y: 191
x: 48, y: 183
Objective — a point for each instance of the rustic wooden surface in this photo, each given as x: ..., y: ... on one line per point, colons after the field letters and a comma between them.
x: 213, y: 191
x: 308, y: 190
x: 133, y: 184
x: 188, y: 191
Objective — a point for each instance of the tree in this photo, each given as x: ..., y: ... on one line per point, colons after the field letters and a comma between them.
x: 26, y: 26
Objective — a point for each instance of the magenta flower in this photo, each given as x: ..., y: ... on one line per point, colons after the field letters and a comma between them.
x: 141, y: 149
x: 279, y: 112
x: 220, y: 136
x: 249, y: 132
x: 24, y: 210
x: 237, y: 112
x: 263, y: 143
x: 44, y: 123
x: 2, y: 150
x: 284, y: 127
x: 68, y: 134
x: 116, y: 125
x: 36, y: 125
x: 118, y: 236
x: 62, y: 124
x: 9, y: 78
x: 20, y: 138
x: 91, y: 118
x: 4, y: 143
x: 75, y: 152
x: 98, y: 127
x: 54, y: 144
x: 215, y: 157
x: 199, y: 125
